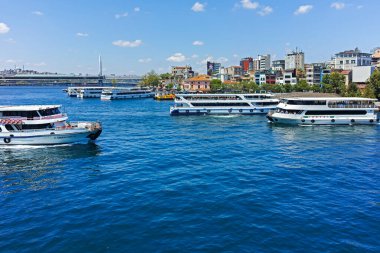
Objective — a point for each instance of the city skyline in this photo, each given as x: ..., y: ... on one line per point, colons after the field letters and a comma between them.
x: 134, y: 37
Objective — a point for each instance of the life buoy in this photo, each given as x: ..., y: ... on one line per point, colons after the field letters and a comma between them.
x: 352, y: 120
x: 312, y: 121
x: 333, y: 120
x: 7, y: 140
x: 371, y: 120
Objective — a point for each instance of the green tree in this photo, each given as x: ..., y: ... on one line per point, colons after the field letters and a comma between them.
x: 352, y: 90
x: 170, y: 86
x: 165, y: 76
x: 216, y: 85
x: 250, y: 86
x: 302, y: 85
x: 288, y: 87
x: 335, y: 82
x: 374, y: 84
x: 150, y: 79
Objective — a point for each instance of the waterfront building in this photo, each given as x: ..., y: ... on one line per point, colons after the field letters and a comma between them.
x: 290, y: 77
x: 295, y: 60
x: 376, y: 57
x: 260, y: 78
x: 314, y: 73
x: 213, y: 68
x: 348, y: 59
x: 278, y: 65
x: 246, y: 64
x: 280, y: 79
x: 182, y: 72
x: 198, y: 83
x: 256, y: 65
x: 361, y: 74
x: 234, y: 72
x: 270, y: 77
x: 264, y: 62
x: 347, y: 76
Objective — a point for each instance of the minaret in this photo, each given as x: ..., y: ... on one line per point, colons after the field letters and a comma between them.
x: 100, y: 66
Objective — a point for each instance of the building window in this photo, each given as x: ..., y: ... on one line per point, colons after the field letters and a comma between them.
x: 347, y: 61
x: 353, y: 61
x: 199, y: 86
x: 341, y: 62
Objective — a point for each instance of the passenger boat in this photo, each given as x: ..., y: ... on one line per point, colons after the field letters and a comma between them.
x: 164, y: 96
x: 206, y: 104
x: 72, y: 91
x: 90, y: 92
x: 42, y: 125
x: 125, y: 93
x: 325, y: 111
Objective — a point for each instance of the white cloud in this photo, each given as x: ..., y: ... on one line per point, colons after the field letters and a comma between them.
x: 136, y: 9
x: 38, y: 13
x: 4, y: 28
x: 198, y: 7
x: 211, y: 59
x: 247, y: 4
x: 338, y: 5
x: 303, y: 9
x: 222, y: 60
x: 146, y: 60
x: 126, y: 43
x: 38, y: 64
x: 265, y: 11
x: 82, y: 34
x: 177, y: 57
x: 194, y: 56
x: 198, y: 43
x: 122, y: 15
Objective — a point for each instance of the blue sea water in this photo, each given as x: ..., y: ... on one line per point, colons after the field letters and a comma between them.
x: 155, y: 183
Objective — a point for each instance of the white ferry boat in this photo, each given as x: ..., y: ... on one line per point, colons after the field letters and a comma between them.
x: 42, y: 125
x: 206, y: 104
x: 126, y: 93
x: 72, y: 91
x: 325, y: 111
x: 90, y: 92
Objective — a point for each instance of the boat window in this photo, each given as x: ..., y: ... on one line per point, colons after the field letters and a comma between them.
x: 340, y: 112
x: 9, y: 127
x: 48, y: 112
x: 306, y: 102
x: 289, y: 111
x: 265, y: 103
x: 220, y: 104
x: 351, y: 104
x: 24, y: 114
x: 37, y: 126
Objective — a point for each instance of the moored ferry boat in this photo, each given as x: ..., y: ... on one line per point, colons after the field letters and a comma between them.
x: 223, y: 104
x: 90, y: 92
x: 42, y: 125
x: 325, y: 111
x: 126, y: 93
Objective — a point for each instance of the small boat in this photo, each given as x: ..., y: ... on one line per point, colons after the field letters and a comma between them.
x: 223, y: 104
x: 325, y: 111
x: 164, y: 96
x: 42, y: 125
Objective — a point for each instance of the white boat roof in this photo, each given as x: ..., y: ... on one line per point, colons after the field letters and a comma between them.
x: 225, y: 94
x: 5, y: 108
x: 332, y: 98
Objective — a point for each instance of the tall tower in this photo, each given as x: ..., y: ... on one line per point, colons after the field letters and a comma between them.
x: 100, y: 66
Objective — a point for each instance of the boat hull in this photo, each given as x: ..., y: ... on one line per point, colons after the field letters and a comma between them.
x: 129, y: 96
x: 277, y: 118
x: 186, y: 111
x: 46, y: 137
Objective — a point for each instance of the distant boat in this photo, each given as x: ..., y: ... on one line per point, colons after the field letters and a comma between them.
x: 325, y: 111
x: 42, y: 125
x: 126, y: 93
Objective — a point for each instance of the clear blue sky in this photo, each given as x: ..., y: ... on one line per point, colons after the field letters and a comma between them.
x: 136, y: 36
